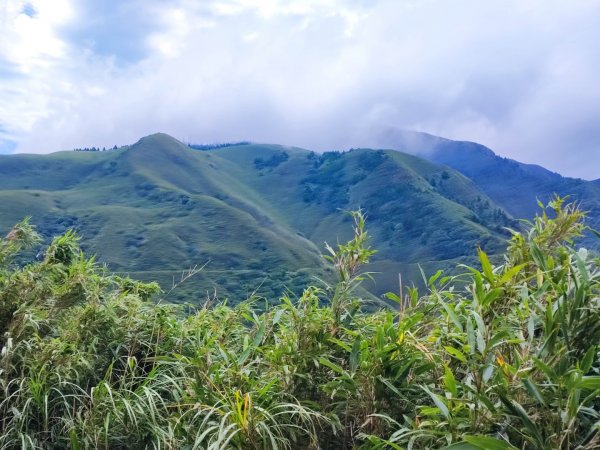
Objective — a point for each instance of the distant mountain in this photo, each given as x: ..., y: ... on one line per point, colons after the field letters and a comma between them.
x: 510, y: 184
x: 258, y: 214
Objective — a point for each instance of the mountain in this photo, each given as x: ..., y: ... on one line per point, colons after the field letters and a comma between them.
x: 258, y: 215
x: 512, y: 185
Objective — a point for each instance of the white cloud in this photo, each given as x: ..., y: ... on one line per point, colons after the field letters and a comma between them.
x: 518, y: 76
x: 34, y: 56
x: 30, y: 41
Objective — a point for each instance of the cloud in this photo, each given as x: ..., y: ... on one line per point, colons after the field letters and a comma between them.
x: 518, y: 76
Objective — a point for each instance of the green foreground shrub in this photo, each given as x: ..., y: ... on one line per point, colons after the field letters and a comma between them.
x: 499, y: 358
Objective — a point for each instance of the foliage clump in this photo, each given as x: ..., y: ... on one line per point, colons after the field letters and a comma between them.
x: 271, y: 162
x: 502, y: 357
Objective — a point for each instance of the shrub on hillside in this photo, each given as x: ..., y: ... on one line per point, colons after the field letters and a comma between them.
x: 511, y: 361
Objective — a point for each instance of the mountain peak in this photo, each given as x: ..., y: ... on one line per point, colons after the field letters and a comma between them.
x: 157, y: 147
x: 161, y: 139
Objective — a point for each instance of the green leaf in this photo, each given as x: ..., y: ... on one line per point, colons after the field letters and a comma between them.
x: 492, y: 295
x: 550, y: 373
x: 277, y: 316
x: 485, y: 401
x: 450, y: 382
x: 510, y: 274
x: 590, y: 382
x: 519, y: 412
x: 393, y: 297
x: 486, y: 266
x: 533, y: 390
x: 439, y: 402
x: 498, y: 338
x: 244, y: 356
x: 450, y: 311
x: 456, y: 353
x: 482, y: 442
x: 462, y: 446
x: 487, y: 372
x: 580, y: 262
x: 478, y: 279
x: 588, y: 359
x: 340, y: 343
x: 538, y: 256
x: 332, y: 366
x: 408, y: 322
x: 260, y: 333
x: 389, y: 384
x: 413, y: 293
x: 434, y: 278
x: 479, y: 332
x: 471, y: 340
x: 355, y: 354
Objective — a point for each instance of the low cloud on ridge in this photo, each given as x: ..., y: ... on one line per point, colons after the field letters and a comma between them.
x: 521, y: 77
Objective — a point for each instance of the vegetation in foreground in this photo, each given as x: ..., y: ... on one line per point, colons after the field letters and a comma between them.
x: 511, y: 361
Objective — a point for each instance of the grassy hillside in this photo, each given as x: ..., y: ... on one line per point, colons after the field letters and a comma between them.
x: 156, y: 208
x: 258, y: 215
x: 417, y: 211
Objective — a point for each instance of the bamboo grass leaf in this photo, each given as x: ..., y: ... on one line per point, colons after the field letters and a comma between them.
x: 486, y: 266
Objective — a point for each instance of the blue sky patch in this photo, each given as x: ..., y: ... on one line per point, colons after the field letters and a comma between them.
x: 7, y: 146
x: 29, y: 10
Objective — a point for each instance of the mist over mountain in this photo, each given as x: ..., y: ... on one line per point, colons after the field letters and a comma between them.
x: 515, y: 186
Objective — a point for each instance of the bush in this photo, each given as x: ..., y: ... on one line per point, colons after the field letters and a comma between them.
x: 509, y: 360
x: 271, y: 162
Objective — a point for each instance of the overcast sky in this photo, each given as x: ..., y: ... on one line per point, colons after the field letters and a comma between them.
x: 520, y: 76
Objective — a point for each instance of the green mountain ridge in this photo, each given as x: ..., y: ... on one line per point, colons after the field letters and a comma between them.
x: 258, y: 215
x: 513, y: 185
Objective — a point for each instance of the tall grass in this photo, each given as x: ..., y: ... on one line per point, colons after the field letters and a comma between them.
x: 502, y: 357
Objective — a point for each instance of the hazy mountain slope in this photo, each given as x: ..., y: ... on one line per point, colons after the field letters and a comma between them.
x: 258, y: 213
x: 512, y: 185
x: 516, y: 186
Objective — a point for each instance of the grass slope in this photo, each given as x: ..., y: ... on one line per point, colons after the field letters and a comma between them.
x: 258, y: 214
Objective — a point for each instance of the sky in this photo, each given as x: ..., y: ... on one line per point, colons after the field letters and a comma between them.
x: 519, y: 76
